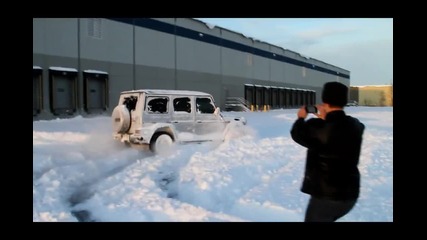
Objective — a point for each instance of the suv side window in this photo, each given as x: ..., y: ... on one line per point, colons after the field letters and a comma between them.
x: 157, y: 105
x: 182, y: 104
x: 204, y: 105
x: 130, y: 102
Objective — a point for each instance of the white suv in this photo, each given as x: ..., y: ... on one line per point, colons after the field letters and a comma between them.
x: 157, y: 118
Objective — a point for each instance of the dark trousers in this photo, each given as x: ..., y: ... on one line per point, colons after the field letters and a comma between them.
x: 324, y: 210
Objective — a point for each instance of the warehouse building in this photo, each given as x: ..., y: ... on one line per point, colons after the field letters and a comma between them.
x: 372, y: 95
x: 80, y: 65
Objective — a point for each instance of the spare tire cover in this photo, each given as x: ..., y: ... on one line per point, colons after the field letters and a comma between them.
x: 121, y: 119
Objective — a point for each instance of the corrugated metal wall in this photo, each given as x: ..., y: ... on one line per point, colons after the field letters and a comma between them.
x: 169, y: 53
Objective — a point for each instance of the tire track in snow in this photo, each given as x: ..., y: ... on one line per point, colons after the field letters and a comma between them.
x: 212, y: 176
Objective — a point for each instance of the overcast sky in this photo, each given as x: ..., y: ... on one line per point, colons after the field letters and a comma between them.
x: 364, y: 46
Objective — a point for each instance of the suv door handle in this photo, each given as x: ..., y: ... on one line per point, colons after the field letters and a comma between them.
x: 174, y: 121
x: 199, y: 121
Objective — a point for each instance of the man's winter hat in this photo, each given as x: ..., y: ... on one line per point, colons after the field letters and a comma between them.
x: 335, y: 94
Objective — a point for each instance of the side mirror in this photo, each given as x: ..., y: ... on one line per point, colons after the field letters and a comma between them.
x: 217, y: 111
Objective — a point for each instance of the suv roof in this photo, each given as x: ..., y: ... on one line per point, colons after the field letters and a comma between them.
x: 168, y: 92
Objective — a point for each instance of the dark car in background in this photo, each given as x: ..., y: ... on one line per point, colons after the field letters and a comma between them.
x: 352, y: 103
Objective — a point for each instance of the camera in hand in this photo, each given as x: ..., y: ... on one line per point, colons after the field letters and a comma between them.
x: 311, y: 109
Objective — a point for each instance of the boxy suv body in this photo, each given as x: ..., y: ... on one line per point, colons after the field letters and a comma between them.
x: 154, y: 117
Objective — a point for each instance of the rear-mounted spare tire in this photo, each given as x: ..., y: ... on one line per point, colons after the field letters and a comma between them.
x: 121, y: 119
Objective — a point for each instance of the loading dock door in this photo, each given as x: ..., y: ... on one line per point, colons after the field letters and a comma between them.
x: 292, y: 98
x: 274, y: 97
x: 287, y: 97
x: 296, y: 98
x: 63, y: 93
x: 249, y: 94
x: 313, y: 97
x: 37, y: 91
x: 95, y: 96
x: 258, y: 97
x: 302, y: 97
x: 267, y: 95
x: 282, y: 98
x: 305, y: 97
x: 63, y: 90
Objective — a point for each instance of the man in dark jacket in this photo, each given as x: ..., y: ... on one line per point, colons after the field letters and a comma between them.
x: 333, y: 141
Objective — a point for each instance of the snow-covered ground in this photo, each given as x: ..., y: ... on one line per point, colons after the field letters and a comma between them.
x: 80, y: 173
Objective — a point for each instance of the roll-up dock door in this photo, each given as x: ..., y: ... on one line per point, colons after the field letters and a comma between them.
x: 282, y: 97
x: 275, y: 97
x: 37, y: 90
x: 259, y: 101
x: 63, y: 90
x: 95, y: 89
x: 249, y: 94
x: 267, y: 97
x: 312, y: 97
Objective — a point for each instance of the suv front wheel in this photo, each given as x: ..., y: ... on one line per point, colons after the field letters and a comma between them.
x: 161, y: 143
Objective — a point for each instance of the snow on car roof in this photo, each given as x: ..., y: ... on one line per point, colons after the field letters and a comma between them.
x: 167, y: 92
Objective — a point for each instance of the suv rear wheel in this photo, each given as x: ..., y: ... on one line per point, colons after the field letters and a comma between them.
x: 161, y: 143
